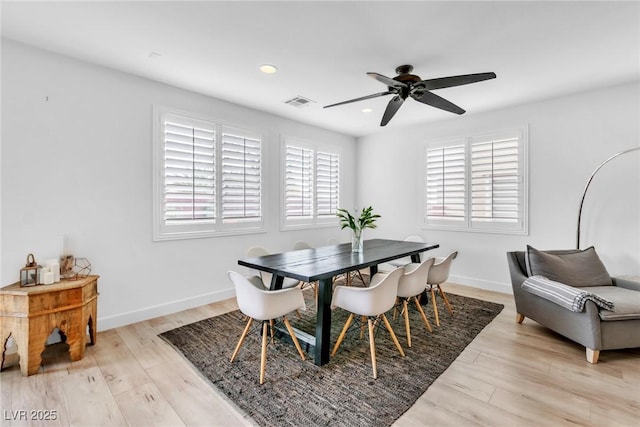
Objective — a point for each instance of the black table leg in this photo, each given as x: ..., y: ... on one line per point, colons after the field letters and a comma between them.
x: 276, y: 282
x: 415, y: 258
x: 323, y: 322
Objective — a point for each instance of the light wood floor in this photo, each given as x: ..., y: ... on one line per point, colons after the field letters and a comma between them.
x: 510, y: 375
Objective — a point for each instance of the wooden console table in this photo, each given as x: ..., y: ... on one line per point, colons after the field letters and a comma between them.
x: 29, y: 315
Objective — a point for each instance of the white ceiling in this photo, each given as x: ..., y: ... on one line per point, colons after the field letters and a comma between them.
x: 323, y: 49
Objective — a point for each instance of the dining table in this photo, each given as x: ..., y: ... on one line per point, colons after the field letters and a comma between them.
x: 322, y: 264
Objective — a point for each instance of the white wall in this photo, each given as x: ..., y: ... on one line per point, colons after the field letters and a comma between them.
x: 568, y: 138
x: 76, y: 160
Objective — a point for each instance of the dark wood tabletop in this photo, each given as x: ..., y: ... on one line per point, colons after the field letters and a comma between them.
x: 309, y: 265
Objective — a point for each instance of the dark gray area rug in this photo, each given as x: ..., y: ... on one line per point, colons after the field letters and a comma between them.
x: 343, y: 392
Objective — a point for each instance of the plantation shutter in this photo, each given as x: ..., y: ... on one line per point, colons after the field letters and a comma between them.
x: 298, y: 182
x: 189, y: 171
x: 327, y: 184
x: 445, y: 186
x: 495, y: 181
x: 241, y: 177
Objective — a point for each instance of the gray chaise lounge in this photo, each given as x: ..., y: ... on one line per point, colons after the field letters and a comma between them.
x: 594, y: 328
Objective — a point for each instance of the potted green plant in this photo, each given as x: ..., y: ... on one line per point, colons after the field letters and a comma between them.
x: 367, y: 219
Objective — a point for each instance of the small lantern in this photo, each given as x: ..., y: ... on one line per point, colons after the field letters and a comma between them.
x: 30, y: 273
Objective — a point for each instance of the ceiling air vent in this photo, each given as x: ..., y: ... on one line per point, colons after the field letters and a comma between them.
x: 299, y: 101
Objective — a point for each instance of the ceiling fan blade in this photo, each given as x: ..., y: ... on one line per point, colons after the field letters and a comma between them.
x: 434, y: 100
x: 375, y: 95
x: 386, y: 80
x: 392, y: 109
x: 443, y: 82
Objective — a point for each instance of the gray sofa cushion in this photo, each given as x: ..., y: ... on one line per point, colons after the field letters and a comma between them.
x: 574, y: 268
x: 626, y: 302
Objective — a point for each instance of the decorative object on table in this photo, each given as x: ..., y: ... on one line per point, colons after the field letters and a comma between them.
x: 81, y: 268
x: 30, y: 273
x: 367, y: 219
x: 67, y: 262
x: 53, y: 265
x: 47, y: 277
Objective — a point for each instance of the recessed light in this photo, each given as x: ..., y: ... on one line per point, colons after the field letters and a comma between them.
x: 367, y: 110
x: 268, y: 68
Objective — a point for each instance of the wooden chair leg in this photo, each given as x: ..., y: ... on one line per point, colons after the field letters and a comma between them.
x: 271, y: 329
x: 446, y: 300
x: 293, y: 336
x: 393, y: 335
x: 263, y: 356
x: 592, y: 355
x: 424, y: 316
x: 242, y: 337
x: 435, y: 307
x: 406, y: 322
x: 372, y: 345
x: 341, y: 337
x: 395, y: 308
x: 519, y: 318
x: 363, y: 320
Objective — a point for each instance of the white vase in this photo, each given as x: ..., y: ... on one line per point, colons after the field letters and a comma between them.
x: 356, y: 241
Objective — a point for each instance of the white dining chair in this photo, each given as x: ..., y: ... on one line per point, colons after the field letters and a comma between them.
x: 438, y: 274
x: 371, y: 303
x: 400, y: 262
x: 301, y: 244
x: 262, y: 305
x: 258, y: 251
x: 410, y: 286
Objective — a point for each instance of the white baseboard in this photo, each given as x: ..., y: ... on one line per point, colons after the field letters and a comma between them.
x: 122, y: 319
x: 504, y: 288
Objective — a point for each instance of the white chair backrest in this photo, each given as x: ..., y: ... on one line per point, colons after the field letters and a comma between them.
x: 248, y: 295
x: 414, y: 280
x: 301, y: 245
x: 378, y: 298
x: 261, y: 304
x: 439, y: 271
x: 385, y: 292
x: 257, y: 251
x: 414, y: 238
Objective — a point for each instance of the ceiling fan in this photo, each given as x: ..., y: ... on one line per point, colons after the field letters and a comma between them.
x: 406, y: 84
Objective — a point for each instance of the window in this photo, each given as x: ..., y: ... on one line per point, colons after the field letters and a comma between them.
x: 327, y: 184
x: 477, y: 183
x: 207, y: 177
x: 311, y: 190
x: 241, y: 177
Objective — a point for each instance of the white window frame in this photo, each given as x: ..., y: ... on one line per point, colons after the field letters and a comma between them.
x: 162, y: 230
x: 314, y: 220
x: 467, y: 223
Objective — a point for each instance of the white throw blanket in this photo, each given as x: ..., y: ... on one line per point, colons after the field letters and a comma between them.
x: 564, y: 295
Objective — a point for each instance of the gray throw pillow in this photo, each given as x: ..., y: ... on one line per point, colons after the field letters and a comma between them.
x: 571, y: 267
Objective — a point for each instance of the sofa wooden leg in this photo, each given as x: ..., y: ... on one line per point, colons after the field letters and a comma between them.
x: 592, y: 355
x: 519, y: 317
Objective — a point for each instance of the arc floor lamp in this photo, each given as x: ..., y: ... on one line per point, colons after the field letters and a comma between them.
x: 584, y: 193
